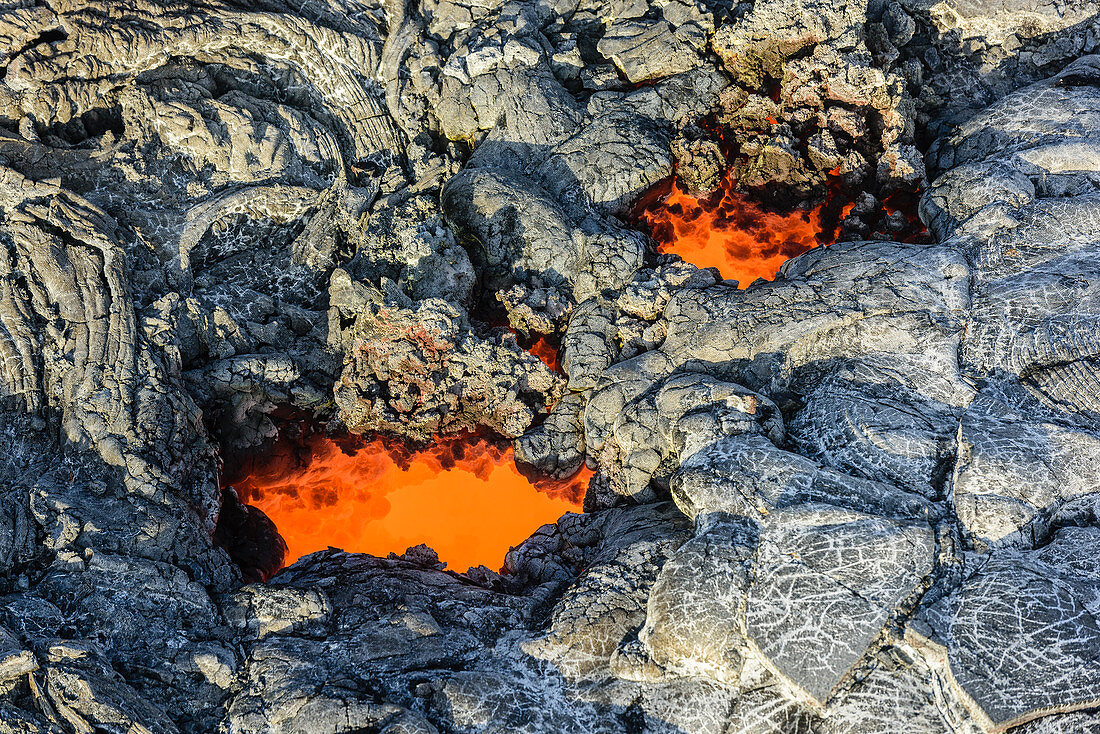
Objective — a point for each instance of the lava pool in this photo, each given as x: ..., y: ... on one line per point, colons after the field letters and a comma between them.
x: 463, y: 497
x: 727, y: 230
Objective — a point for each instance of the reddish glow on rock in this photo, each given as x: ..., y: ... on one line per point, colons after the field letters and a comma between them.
x: 908, y: 204
x: 547, y: 352
x: 727, y: 230
x: 464, y: 497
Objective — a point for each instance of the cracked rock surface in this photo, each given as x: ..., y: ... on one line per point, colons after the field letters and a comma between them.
x: 860, y: 498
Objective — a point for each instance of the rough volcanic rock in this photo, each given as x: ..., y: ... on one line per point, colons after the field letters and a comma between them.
x: 675, y: 418
x: 748, y: 475
x: 1014, y: 469
x: 646, y: 50
x: 440, y: 375
x: 1020, y: 601
x: 896, y: 695
x: 961, y: 56
x: 695, y: 617
x: 1025, y: 222
x: 556, y: 447
x: 608, y: 600
x: 810, y: 102
x: 826, y: 582
x: 859, y: 498
x: 700, y: 162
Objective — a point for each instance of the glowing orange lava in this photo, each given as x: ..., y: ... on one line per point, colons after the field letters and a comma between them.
x: 728, y: 231
x: 465, y: 498
x: 546, y: 352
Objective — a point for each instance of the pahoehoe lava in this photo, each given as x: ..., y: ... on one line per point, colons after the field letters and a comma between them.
x: 861, y: 497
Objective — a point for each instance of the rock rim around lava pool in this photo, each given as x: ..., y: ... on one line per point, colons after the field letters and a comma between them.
x: 858, y: 498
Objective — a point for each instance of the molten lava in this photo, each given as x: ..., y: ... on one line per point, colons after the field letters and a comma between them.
x: 547, y: 352
x: 728, y: 231
x: 464, y: 498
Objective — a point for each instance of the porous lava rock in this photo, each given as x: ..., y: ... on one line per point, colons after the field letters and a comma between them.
x: 859, y: 498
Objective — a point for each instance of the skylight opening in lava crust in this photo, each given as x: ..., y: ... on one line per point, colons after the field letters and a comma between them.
x: 727, y: 230
x: 463, y: 496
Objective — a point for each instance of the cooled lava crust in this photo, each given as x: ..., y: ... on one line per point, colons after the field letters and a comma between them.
x: 861, y: 497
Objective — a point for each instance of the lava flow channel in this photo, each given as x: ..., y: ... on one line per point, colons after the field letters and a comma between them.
x: 463, y: 497
x: 728, y: 231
